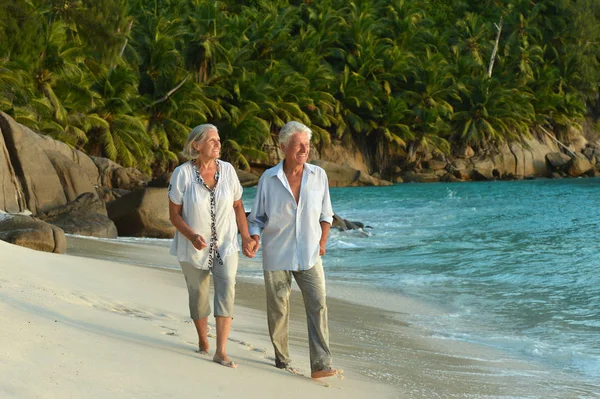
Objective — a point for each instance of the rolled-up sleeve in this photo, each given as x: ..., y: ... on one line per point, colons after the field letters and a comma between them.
x: 258, y: 218
x: 237, y: 186
x: 177, y: 186
x: 326, y: 209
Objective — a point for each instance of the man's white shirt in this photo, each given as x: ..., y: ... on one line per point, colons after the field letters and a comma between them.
x: 290, y: 232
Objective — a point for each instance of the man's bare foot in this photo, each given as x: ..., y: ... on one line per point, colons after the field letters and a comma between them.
x: 224, y: 361
x: 203, y: 347
x: 326, y: 372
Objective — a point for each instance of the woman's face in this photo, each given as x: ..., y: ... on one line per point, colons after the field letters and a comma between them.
x: 210, y: 145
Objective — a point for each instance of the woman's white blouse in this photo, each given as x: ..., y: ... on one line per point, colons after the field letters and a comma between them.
x: 195, y: 198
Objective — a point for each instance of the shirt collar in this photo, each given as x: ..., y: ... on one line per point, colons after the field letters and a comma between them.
x: 278, y: 169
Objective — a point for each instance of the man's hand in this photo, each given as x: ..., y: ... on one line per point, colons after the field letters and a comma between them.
x: 198, y: 242
x: 325, y: 226
x: 256, y: 239
x: 322, y: 249
x: 250, y: 246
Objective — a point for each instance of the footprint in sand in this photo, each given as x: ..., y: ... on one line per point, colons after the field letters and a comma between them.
x: 262, y: 351
x: 172, y: 331
x: 249, y: 346
x: 243, y: 343
x: 168, y: 328
x: 131, y: 312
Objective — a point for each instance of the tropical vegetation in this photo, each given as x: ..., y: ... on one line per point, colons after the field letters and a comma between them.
x: 127, y: 79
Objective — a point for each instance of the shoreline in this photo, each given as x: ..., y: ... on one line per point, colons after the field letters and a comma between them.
x: 372, y: 337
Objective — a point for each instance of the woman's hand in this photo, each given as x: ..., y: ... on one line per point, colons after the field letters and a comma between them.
x: 198, y: 242
x: 250, y: 246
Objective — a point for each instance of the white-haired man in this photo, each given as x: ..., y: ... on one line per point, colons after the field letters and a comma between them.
x: 293, y: 210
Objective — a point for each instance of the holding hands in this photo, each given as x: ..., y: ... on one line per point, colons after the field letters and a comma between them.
x: 250, y: 246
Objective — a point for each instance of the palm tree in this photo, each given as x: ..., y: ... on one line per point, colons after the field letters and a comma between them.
x: 117, y: 132
x: 490, y: 114
x: 431, y: 88
x: 203, y: 52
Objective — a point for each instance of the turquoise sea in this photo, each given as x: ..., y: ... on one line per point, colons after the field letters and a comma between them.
x: 513, y: 265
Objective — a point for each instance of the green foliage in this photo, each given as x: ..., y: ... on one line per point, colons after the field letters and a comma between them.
x: 129, y: 79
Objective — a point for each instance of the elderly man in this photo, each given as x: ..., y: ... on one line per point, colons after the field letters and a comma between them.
x: 293, y: 210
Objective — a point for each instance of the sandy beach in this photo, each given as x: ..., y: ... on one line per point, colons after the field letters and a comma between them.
x: 74, y: 327
x: 115, y: 324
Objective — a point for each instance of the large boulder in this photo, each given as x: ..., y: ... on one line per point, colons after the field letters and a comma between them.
x: 516, y: 160
x: 110, y: 194
x: 579, y: 165
x: 483, y: 169
x: 344, y: 154
x: 576, y: 140
x: 142, y: 213
x: 86, y: 216
x: 461, y: 169
x: 534, y: 157
x: 74, y: 179
x: 113, y: 175
x: 465, y: 152
x: 343, y: 176
x: 247, y: 179
x: 557, y: 160
x: 39, y: 182
x: 338, y: 176
x: 87, y: 173
x: 414, y: 177
x: 33, y: 233
x: 12, y: 198
x: 592, y: 154
x: 435, y: 164
x: 367, y: 180
x: 345, y: 224
x: 38, y: 173
x: 449, y: 178
x: 504, y: 163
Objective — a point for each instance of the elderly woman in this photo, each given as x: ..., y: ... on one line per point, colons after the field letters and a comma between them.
x: 205, y: 207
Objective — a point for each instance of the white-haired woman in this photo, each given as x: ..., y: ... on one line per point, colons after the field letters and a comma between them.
x: 205, y: 206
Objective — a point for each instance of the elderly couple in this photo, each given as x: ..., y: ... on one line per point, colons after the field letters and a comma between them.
x: 293, y: 211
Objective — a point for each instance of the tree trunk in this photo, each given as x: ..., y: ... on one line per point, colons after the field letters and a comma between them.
x: 493, y: 57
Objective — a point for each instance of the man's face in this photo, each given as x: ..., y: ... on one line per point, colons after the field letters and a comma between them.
x: 297, y: 149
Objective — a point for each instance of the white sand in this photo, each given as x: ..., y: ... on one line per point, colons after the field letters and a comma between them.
x: 75, y: 327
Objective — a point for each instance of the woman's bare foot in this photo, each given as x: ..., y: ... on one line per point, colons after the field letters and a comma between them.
x: 224, y: 361
x: 326, y: 372
x: 203, y: 346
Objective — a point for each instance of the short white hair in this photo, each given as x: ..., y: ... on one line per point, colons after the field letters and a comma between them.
x: 291, y: 128
x: 197, y: 134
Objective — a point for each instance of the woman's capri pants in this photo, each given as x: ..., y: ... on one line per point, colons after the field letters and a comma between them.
x: 198, y: 283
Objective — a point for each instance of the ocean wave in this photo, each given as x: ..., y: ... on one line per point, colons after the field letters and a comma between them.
x: 339, y: 244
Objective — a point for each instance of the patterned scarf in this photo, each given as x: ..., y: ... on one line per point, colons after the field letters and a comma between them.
x: 212, y: 247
